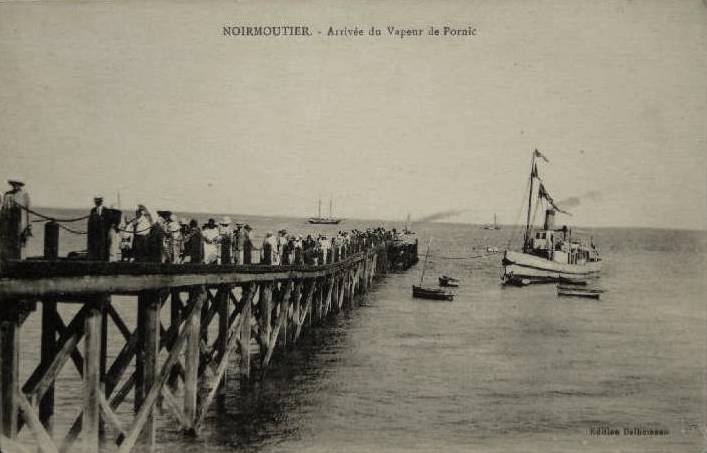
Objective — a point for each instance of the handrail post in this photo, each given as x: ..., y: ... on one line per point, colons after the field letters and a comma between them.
x: 51, y: 240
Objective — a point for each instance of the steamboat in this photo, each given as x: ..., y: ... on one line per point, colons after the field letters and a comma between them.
x: 550, y: 253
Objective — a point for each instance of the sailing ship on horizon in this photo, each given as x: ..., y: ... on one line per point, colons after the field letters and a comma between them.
x: 494, y: 226
x: 549, y: 254
x: 319, y: 220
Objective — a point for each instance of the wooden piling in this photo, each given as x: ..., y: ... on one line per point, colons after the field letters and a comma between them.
x: 175, y: 322
x: 289, y: 297
x: 92, y: 376
x: 9, y: 372
x: 49, y: 328
x: 191, y: 357
x: 244, y: 341
x: 265, y: 314
x: 48, y: 352
x: 223, y: 317
x: 148, y: 329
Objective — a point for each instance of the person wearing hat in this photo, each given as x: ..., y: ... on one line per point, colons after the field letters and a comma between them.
x: 211, y: 237
x: 266, y: 250
x: 238, y: 243
x: 193, y: 243
x: 174, y: 239
x: 98, y: 244
x: 281, y: 245
x: 225, y: 240
x: 289, y: 253
x: 299, y: 249
x: 15, y: 228
x: 247, y: 244
x: 126, y: 241
x: 141, y: 226
x: 158, y: 239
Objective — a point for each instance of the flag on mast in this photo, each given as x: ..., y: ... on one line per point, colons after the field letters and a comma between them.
x: 541, y: 156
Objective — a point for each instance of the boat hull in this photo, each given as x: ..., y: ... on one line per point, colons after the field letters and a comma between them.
x: 448, y: 282
x: 522, y: 269
x: 433, y: 294
x: 317, y: 221
x: 579, y: 292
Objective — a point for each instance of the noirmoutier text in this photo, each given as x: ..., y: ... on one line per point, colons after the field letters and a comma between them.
x: 277, y: 31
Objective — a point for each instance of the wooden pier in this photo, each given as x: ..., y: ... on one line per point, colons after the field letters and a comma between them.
x: 194, y: 321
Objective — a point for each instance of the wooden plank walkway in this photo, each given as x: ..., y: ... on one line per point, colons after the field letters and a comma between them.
x: 178, y: 366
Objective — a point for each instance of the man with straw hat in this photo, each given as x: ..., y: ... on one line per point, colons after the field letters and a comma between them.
x: 14, y: 224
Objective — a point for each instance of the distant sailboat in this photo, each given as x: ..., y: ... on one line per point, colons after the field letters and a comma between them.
x: 408, y: 225
x: 495, y: 225
x: 319, y: 220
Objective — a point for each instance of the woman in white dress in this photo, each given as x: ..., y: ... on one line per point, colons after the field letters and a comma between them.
x: 211, y: 235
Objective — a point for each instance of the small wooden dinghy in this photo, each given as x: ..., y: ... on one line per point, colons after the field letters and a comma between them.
x: 422, y: 292
x: 579, y: 291
x: 431, y: 293
x: 445, y: 280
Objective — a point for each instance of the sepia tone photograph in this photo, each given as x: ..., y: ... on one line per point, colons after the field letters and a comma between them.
x: 375, y: 226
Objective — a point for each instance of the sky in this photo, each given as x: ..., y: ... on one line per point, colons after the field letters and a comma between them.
x: 152, y: 101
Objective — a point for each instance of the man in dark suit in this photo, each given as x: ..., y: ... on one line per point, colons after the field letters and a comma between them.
x: 100, y: 221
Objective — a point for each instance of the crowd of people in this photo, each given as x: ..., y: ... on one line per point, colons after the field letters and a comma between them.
x: 165, y: 238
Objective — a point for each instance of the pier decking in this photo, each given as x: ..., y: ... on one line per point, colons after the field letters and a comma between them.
x: 257, y: 310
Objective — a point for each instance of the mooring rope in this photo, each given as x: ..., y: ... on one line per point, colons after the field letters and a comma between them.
x: 70, y: 230
x: 464, y: 257
x: 46, y: 218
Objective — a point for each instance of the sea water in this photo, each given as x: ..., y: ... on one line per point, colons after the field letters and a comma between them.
x: 499, y: 369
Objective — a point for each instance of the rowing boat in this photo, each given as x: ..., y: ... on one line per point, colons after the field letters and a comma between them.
x: 576, y: 291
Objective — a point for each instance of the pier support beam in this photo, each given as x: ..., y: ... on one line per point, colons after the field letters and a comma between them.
x: 93, y: 324
x: 246, y: 316
x: 265, y: 311
x: 191, y: 357
x: 148, y: 332
x: 175, y: 322
x: 9, y: 372
x: 49, y: 350
x: 222, y: 299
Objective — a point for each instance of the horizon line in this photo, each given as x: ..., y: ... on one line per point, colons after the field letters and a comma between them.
x: 412, y: 222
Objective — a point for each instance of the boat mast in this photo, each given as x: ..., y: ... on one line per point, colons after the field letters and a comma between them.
x: 331, y: 199
x: 494, y: 220
x: 319, y: 210
x: 530, y: 201
x: 424, y: 264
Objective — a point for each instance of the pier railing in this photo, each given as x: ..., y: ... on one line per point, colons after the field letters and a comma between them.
x: 218, y: 315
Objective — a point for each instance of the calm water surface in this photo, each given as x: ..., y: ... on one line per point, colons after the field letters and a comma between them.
x: 499, y: 369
